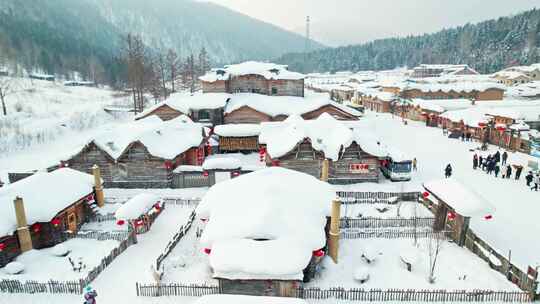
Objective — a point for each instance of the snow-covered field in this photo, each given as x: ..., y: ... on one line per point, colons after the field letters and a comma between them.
x: 403, y: 210
x: 456, y: 269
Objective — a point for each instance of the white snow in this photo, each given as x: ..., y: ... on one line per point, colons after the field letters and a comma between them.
x: 460, y: 198
x: 60, y: 250
x: 221, y: 163
x: 44, y: 196
x: 239, y: 299
x: 14, y: 268
x: 361, y: 274
x: 466, y: 87
x: 187, y: 103
x: 270, y: 71
x: 137, y: 206
x: 238, y: 130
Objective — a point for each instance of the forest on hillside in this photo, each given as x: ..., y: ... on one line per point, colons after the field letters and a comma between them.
x: 487, y: 46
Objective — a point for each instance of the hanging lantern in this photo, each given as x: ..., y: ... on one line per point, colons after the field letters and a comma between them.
x: 139, y: 223
x: 205, y: 173
x: 168, y: 165
x: 89, y: 198
x: 204, y: 220
x: 425, y: 194
x: 318, y: 253
x: 2, y: 247
x: 451, y: 216
x: 157, y: 206
x: 500, y: 128
x: 207, y: 250
x: 120, y: 222
x: 488, y: 217
x: 482, y: 124
x: 36, y: 227
x: 56, y: 222
x: 235, y: 174
x: 275, y: 163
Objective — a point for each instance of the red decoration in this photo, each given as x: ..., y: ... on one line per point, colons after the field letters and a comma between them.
x: 318, y: 253
x: 451, y: 216
x: 500, y: 129
x: 488, y: 217
x: 205, y: 173
x: 157, y: 206
x: 207, y: 250
x: 56, y: 222
x: 275, y: 163
x: 36, y: 227
x: 208, y: 149
x: 120, y: 222
x: 138, y: 223
x: 482, y: 124
x: 89, y: 198
x: 2, y: 247
x: 168, y: 165
x: 425, y: 194
x: 204, y: 220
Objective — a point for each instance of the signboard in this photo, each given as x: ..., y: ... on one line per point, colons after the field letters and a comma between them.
x: 359, y: 168
x: 532, y: 272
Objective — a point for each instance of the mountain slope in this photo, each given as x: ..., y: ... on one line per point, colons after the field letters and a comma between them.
x: 487, y: 46
x: 58, y: 36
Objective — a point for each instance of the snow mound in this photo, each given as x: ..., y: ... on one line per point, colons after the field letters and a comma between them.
x: 14, y: 268
x: 361, y: 274
x: 238, y: 130
x: 221, y: 163
x: 60, y: 250
x: 238, y: 299
x: 137, y: 206
x: 369, y: 254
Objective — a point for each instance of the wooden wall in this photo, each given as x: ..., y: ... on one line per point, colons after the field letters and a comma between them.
x: 246, y: 115
x: 270, y: 288
x: 164, y: 112
x: 335, y: 112
x: 92, y: 155
x: 11, y: 250
x: 219, y: 86
x: 230, y: 144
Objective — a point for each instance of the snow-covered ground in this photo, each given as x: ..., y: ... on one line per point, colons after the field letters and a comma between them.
x: 515, y: 224
x: 456, y: 268
x: 406, y: 210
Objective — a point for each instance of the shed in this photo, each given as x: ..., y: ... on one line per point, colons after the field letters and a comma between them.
x: 238, y: 137
x: 140, y: 211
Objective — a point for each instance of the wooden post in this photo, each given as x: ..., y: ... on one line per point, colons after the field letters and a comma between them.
x: 325, y: 168
x: 25, y: 240
x: 333, y: 242
x: 97, y: 186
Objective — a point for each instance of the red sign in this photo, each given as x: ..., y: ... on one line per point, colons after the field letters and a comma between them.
x: 359, y: 168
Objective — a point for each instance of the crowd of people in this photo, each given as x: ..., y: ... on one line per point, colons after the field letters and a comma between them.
x: 497, y: 164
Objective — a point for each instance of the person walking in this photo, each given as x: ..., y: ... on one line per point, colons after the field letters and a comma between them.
x: 536, y: 181
x: 90, y: 295
x: 508, y: 171
x: 497, y: 170
x: 497, y: 157
x: 475, y: 161
x: 491, y: 166
x: 519, y: 169
x: 529, y: 178
x: 414, y: 164
x: 504, y: 158
x: 448, y: 171
x: 481, y: 162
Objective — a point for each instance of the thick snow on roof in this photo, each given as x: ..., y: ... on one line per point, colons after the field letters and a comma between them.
x: 221, y: 163
x: 277, y: 204
x: 456, y: 87
x: 265, y: 69
x: 283, y: 105
x: 162, y: 139
x: 471, y: 116
x: 325, y: 133
x: 374, y: 146
x: 384, y: 96
x: 510, y: 75
x: 136, y: 206
x: 44, y: 195
x: 440, y: 106
x: 239, y: 299
x: 238, y: 130
x: 462, y: 199
x: 186, y: 103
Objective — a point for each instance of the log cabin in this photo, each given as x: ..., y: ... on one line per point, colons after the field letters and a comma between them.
x: 254, y: 77
x: 304, y: 145
x: 478, y: 91
x: 256, y: 244
x: 143, y: 154
x: 238, y: 137
x: 50, y: 205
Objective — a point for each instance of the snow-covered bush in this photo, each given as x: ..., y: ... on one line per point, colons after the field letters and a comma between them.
x: 361, y: 274
x: 14, y: 268
x: 60, y: 250
x: 369, y: 254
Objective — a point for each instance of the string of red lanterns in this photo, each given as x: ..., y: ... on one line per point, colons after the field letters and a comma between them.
x: 318, y: 253
x: 2, y: 247
x: 120, y: 222
x: 36, y: 227
x: 56, y: 222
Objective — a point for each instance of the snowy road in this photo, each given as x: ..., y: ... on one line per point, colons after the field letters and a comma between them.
x: 515, y: 224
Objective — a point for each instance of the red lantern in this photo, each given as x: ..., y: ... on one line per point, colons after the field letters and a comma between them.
x: 205, y: 173
x: 235, y: 173
x: 451, y: 216
x: 36, y: 227
x: 207, y: 250
x: 89, y: 198
x: 275, y: 163
x: 208, y: 149
x: 2, y: 247
x: 157, y: 206
x: 56, y: 222
x: 204, y: 220
x: 168, y: 165
x: 500, y: 129
x: 120, y: 222
x: 318, y: 253
x: 425, y: 194
x: 139, y: 223
x: 482, y: 124
x: 488, y: 217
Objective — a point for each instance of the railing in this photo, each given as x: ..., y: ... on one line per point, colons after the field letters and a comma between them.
x: 372, y: 222
x: 174, y: 289
x: 389, y: 233
x: 352, y: 197
x: 176, y: 238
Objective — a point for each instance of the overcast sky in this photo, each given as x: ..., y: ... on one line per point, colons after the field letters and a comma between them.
x: 339, y: 22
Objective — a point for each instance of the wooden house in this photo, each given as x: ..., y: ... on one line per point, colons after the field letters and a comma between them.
x: 477, y: 91
x: 304, y: 145
x: 140, y: 212
x: 238, y: 137
x: 145, y: 153
x: 265, y: 251
x: 254, y: 77
x: 438, y: 70
x: 37, y: 211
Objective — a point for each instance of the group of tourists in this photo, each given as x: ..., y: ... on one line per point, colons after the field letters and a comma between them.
x: 498, y: 164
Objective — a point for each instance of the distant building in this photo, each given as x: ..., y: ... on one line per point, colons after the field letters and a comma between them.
x: 532, y: 71
x: 510, y: 78
x: 458, y: 90
x: 437, y: 70
x: 42, y: 77
x: 254, y: 77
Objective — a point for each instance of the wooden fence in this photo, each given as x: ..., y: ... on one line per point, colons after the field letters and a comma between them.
x: 100, y: 235
x: 352, y: 197
x: 192, y: 180
x: 174, y: 289
x: 176, y: 238
x: 99, y: 218
x: 389, y: 233
x: 372, y: 222
x: 187, y: 202
x: 413, y: 295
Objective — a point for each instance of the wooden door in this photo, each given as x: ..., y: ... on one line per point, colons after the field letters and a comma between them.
x: 72, y: 222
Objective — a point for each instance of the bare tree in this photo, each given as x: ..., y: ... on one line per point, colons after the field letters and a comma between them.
x: 160, y: 70
x: 435, y: 242
x: 139, y: 69
x: 6, y: 88
x: 204, y: 62
x: 173, y: 67
x: 189, y: 73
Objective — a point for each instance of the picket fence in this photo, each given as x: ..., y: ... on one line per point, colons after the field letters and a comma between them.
x: 420, y: 232
x: 372, y: 222
x: 176, y: 238
x: 353, y: 197
x: 174, y: 289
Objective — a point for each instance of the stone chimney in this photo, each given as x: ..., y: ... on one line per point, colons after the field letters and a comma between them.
x: 333, y: 241
x: 100, y: 199
x: 25, y: 240
x: 324, y: 171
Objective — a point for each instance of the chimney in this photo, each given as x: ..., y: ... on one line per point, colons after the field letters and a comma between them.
x: 333, y: 242
x: 324, y: 171
x: 25, y: 240
x: 97, y: 186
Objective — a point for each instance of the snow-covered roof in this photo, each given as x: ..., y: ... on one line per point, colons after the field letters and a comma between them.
x: 283, y: 105
x: 442, y: 105
x: 470, y: 117
x: 384, y: 96
x: 240, y: 299
x: 186, y: 103
x: 136, y: 206
x: 462, y: 199
x: 44, y: 195
x: 270, y: 71
x: 238, y: 130
x: 376, y: 147
x: 511, y: 75
x: 163, y: 139
x: 288, y: 208
x: 221, y: 163
x: 456, y: 87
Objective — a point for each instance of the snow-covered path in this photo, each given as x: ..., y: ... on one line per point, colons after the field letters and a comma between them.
x: 515, y: 224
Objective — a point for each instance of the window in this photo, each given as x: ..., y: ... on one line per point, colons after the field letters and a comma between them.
x: 274, y: 91
x: 203, y: 115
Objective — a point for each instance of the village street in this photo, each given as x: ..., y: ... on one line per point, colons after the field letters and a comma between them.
x: 515, y: 223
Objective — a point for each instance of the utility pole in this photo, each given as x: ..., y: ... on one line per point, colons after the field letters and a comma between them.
x: 308, y: 44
